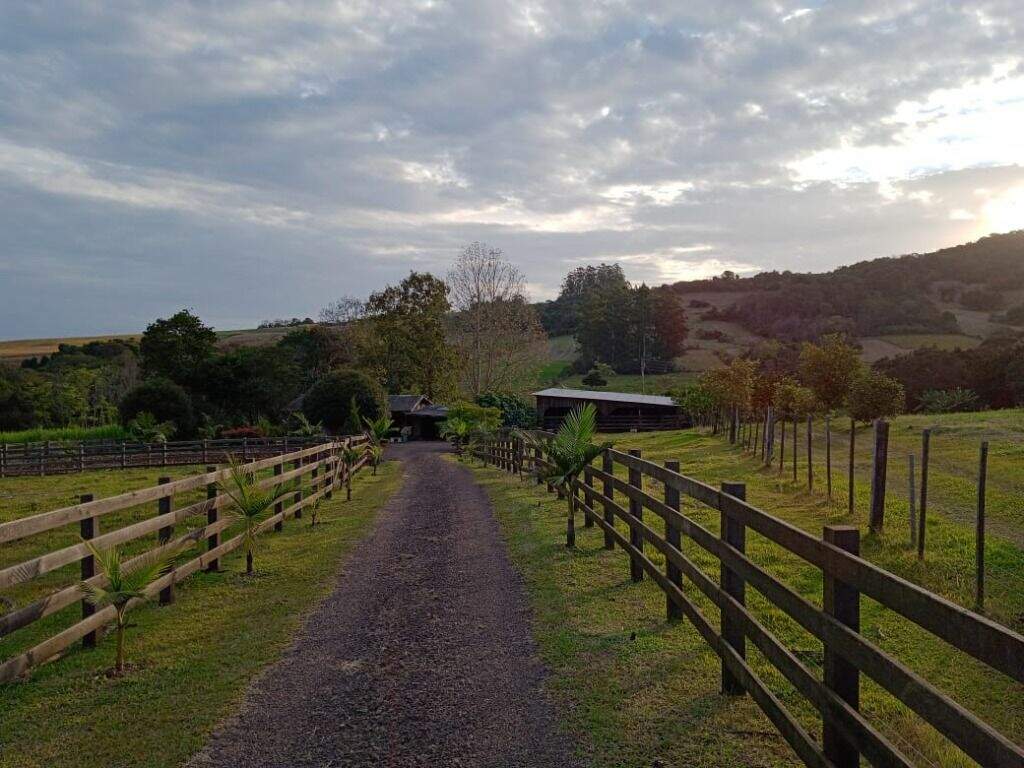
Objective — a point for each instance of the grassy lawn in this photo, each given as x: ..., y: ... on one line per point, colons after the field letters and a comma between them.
x: 195, y: 657
x: 641, y: 689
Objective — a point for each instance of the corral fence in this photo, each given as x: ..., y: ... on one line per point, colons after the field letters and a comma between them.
x: 825, y: 454
x: 148, y: 521
x: 847, y: 733
x: 61, y: 457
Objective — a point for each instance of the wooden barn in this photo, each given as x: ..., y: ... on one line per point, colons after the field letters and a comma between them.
x: 416, y: 412
x: 616, y: 411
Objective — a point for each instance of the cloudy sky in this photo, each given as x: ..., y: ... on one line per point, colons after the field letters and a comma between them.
x: 257, y: 159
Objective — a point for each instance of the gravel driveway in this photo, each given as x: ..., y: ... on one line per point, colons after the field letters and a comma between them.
x: 421, y: 656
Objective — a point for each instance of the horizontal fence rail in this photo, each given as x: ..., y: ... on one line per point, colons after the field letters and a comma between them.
x: 847, y: 733
x: 54, y: 458
x: 313, y: 473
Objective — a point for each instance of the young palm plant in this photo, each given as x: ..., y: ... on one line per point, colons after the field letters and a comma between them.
x: 570, y: 450
x: 456, y: 430
x: 126, y: 586
x: 350, y: 455
x: 377, y: 430
x: 376, y: 454
x: 249, y: 502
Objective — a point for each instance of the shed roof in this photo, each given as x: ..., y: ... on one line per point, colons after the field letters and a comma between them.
x: 614, y: 397
x: 406, y: 403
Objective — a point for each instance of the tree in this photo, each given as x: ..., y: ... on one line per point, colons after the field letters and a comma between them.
x: 791, y: 400
x: 670, y: 328
x: 165, y: 400
x: 595, y: 377
x: 515, y: 411
x: 568, y: 452
x: 126, y: 586
x: 345, y: 310
x: 330, y: 400
x: 829, y: 368
x: 249, y: 502
x: 874, y: 395
x: 317, y: 349
x: 174, y: 348
x: 248, y: 383
x: 497, y: 333
x: 412, y: 353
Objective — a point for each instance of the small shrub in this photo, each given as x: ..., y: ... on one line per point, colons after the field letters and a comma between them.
x: 956, y: 400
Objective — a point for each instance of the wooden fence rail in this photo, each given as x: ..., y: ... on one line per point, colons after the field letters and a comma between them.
x: 52, y: 457
x: 847, y: 733
x: 318, y: 467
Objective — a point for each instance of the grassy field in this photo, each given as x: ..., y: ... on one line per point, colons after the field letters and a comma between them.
x: 195, y: 657
x: 641, y: 690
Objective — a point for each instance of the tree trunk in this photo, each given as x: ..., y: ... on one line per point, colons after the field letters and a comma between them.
x: 119, y: 659
x: 348, y: 487
x: 570, y: 522
x: 248, y: 562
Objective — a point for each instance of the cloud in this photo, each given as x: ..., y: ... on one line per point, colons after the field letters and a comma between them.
x: 257, y: 158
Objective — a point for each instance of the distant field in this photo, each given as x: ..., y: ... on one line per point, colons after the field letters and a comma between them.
x: 108, y: 432
x: 13, y: 352
x: 939, y: 340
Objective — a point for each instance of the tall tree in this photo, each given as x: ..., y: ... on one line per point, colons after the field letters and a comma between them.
x: 412, y: 353
x: 498, y: 334
x: 829, y: 369
x: 175, y: 347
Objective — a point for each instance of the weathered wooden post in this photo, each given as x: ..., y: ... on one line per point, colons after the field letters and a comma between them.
x: 588, y: 496
x: 163, y: 449
x: 782, y: 446
x: 212, y: 516
x: 810, y: 453
x: 279, y: 505
x: 853, y: 443
x: 828, y: 455
x: 733, y: 533
x: 206, y: 450
x: 608, y: 491
x: 979, y: 592
x: 3, y: 460
x: 636, y: 513
x: 314, y: 485
x: 796, y: 442
x: 926, y: 440
x: 166, y: 532
x: 124, y: 456
x: 331, y: 471
x: 245, y: 449
x: 297, y: 496
x: 90, y: 529
x: 81, y: 456
x: 842, y: 602
x: 674, y: 538
x: 876, y: 521
x: 912, y: 498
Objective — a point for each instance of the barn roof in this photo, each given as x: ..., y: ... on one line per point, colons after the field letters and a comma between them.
x: 406, y: 403
x: 614, y: 397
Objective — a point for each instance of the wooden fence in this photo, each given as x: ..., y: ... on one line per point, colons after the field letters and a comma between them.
x: 61, y: 457
x: 847, y: 733
x: 315, y: 472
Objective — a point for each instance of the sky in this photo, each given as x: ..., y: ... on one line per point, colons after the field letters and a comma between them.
x: 258, y: 159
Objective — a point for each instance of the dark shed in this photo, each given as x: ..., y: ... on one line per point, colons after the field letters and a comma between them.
x: 616, y: 411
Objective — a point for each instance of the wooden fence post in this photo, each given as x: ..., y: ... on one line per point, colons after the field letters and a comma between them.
x: 608, y: 491
x: 206, y: 450
x: 636, y: 512
x: 842, y: 602
x: 245, y: 449
x: 81, y: 456
x: 124, y: 456
x: 314, y: 484
x: 90, y: 528
x: 330, y: 470
x: 878, y: 473
x: 588, y: 496
x: 810, y: 454
x: 979, y: 592
x: 297, y: 496
x: 850, y: 479
x: 733, y: 533
x: 3, y: 460
x: 212, y: 516
x: 828, y: 456
x: 163, y: 448
x: 926, y: 441
x: 163, y: 507
x: 782, y: 446
x: 912, y: 498
x: 796, y: 443
x: 279, y: 504
x: 673, y: 536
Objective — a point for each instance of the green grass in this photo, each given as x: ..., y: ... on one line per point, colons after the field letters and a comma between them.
x: 947, y: 341
x: 640, y: 689
x: 196, y: 657
x: 657, y: 384
x: 55, y: 434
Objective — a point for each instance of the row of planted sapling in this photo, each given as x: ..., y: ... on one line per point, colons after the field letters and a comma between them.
x: 126, y: 586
